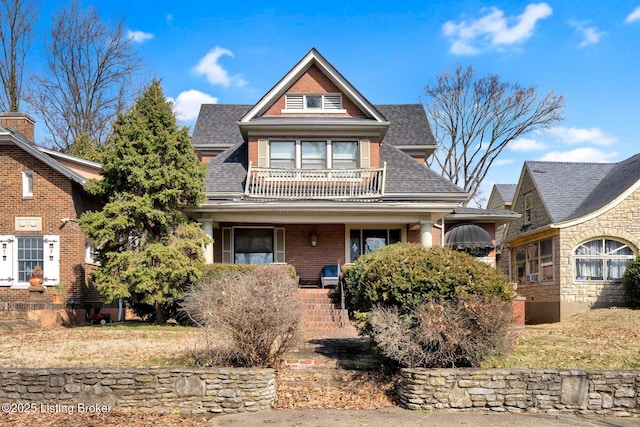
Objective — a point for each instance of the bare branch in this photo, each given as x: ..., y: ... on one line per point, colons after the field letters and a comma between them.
x: 90, y: 65
x: 474, y: 119
x: 17, y: 18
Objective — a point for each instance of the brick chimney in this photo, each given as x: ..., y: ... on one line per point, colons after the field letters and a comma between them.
x: 19, y: 122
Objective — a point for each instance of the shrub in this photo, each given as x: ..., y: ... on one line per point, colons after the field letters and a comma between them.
x: 443, y: 333
x: 405, y: 275
x: 631, y: 282
x: 258, y: 311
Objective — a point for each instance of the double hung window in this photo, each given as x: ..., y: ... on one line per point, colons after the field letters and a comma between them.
x: 310, y: 154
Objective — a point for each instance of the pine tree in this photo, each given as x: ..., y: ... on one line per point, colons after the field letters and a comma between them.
x: 149, y: 250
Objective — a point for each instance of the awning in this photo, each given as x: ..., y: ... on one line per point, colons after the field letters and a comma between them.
x: 468, y: 236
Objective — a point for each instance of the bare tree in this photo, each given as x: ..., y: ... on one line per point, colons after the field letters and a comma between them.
x: 17, y: 18
x: 90, y: 65
x: 475, y: 118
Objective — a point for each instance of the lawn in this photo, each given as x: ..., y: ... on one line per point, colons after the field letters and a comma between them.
x: 596, y: 339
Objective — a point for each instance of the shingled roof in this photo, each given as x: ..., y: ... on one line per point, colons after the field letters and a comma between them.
x: 407, y: 176
x: 217, y: 125
x: 572, y: 190
x: 506, y: 191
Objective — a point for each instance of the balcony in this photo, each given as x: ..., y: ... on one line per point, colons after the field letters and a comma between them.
x: 315, y: 184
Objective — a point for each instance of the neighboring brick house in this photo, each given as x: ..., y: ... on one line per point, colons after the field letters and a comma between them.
x: 580, y: 225
x: 41, y: 197
x: 314, y: 174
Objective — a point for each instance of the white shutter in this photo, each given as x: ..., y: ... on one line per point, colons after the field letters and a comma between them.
x: 263, y: 155
x: 365, y: 154
x: 279, y: 245
x: 226, y: 245
x: 51, y: 260
x: 7, y: 276
x: 332, y: 102
x: 294, y: 102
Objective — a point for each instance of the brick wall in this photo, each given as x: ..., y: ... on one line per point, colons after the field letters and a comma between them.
x: 54, y: 197
x: 316, y: 82
x: 163, y: 390
x: 513, y: 390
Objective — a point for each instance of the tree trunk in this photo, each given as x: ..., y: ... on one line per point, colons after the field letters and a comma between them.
x: 159, y: 314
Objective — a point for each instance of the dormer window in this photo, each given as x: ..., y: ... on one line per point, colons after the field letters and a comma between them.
x: 313, y: 103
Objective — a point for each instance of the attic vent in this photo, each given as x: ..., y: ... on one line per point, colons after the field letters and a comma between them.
x: 294, y: 102
x: 313, y: 103
x: 332, y: 102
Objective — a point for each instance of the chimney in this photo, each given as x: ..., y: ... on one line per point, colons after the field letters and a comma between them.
x: 19, y: 122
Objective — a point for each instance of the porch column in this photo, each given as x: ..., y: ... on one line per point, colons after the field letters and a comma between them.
x: 207, y: 227
x: 426, y: 230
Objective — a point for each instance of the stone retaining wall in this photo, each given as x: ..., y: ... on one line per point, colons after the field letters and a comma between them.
x: 549, y: 390
x: 166, y: 390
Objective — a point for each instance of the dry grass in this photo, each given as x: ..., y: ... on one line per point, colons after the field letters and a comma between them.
x: 596, y: 339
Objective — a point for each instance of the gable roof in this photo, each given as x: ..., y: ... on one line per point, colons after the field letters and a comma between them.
x: 506, y: 192
x: 313, y: 57
x: 573, y: 190
x: 8, y: 135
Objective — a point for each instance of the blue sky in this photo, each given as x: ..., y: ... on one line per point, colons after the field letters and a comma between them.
x: 228, y: 52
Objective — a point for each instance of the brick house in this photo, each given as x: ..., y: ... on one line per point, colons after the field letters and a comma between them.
x: 579, y: 227
x: 42, y: 195
x: 314, y: 174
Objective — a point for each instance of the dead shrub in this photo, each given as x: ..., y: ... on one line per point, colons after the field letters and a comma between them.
x: 443, y: 333
x: 258, y: 312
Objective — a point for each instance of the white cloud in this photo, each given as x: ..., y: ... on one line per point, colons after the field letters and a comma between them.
x: 589, y: 34
x: 633, y: 16
x: 139, y: 36
x: 526, y: 144
x: 493, y: 30
x: 584, y: 154
x: 209, y: 67
x: 187, y: 105
x: 502, y: 162
x: 575, y: 135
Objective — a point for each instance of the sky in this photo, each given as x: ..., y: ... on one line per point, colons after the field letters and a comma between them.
x: 230, y: 53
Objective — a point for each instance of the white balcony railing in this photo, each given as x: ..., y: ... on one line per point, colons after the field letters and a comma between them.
x: 337, y: 184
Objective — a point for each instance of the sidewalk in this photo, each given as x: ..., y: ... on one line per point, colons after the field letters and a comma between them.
x: 388, y: 417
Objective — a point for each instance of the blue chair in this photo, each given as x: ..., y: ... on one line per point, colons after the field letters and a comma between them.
x: 330, y: 275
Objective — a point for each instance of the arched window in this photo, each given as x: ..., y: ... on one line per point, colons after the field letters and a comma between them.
x: 601, y: 259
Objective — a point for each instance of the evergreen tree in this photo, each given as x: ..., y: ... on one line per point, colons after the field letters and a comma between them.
x: 149, y: 250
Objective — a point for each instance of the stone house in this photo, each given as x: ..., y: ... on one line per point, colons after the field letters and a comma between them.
x: 578, y: 229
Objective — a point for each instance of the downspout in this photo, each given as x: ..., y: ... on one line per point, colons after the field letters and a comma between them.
x: 441, y: 227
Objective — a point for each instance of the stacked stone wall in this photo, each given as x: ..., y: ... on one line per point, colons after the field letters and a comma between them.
x: 550, y: 390
x: 165, y: 390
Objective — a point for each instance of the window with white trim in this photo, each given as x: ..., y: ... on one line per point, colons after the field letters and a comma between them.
x: 601, y: 260
x: 20, y: 254
x: 27, y: 183
x: 303, y: 102
x: 310, y: 154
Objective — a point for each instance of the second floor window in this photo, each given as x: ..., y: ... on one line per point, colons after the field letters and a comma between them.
x: 27, y: 183
x: 313, y: 154
x: 527, y: 208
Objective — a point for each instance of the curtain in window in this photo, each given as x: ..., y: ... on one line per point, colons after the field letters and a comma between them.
x: 602, y: 259
x: 283, y: 154
x: 253, y: 246
x: 30, y: 254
